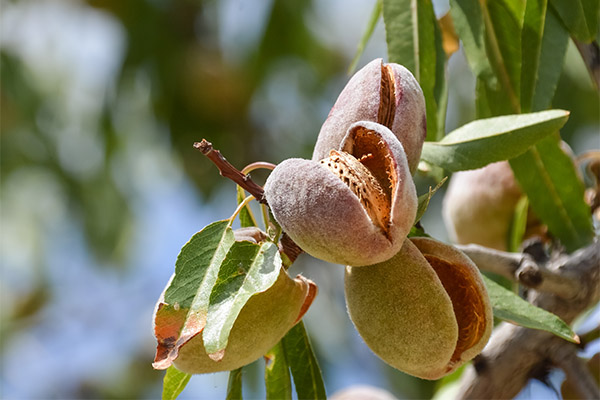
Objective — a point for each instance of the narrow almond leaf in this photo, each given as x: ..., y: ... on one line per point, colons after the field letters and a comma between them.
x: 531, y: 49
x: 503, y: 19
x: 509, y: 307
x: 491, y: 102
x: 424, y: 199
x: 248, y: 269
x: 246, y: 216
x: 556, y: 193
x: 440, y: 89
x: 182, y: 312
x: 484, y: 141
x: 544, y: 44
x: 518, y: 225
x: 277, y: 374
x: 234, y: 385
x: 411, y: 40
x: 579, y: 16
x: 554, y: 48
x: 173, y: 383
x: 468, y: 21
x: 375, y: 14
x: 303, y: 364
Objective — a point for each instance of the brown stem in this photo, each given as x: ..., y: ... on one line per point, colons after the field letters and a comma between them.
x: 229, y: 171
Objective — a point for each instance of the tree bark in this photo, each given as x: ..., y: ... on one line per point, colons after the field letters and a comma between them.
x: 515, y: 354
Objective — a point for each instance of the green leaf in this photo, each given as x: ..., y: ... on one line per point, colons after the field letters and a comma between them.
x: 277, y: 374
x: 511, y: 308
x: 502, y: 20
x: 417, y: 231
x: 484, y: 141
x: 303, y: 364
x: 248, y: 269
x: 424, y: 199
x: 410, y: 36
x: 197, y: 266
x: 440, y: 90
x: 518, y: 225
x: 531, y: 48
x: 554, y: 48
x: 579, y: 16
x: 549, y: 178
x: 234, y: 385
x: 492, y: 102
x: 173, y: 383
x: 544, y: 45
x: 183, y: 312
x: 367, y: 35
x: 246, y: 217
x: 468, y: 22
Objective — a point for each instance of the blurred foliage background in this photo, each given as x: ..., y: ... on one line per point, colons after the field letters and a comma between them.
x: 101, y: 101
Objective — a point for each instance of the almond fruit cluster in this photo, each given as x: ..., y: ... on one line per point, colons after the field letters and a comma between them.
x: 418, y: 303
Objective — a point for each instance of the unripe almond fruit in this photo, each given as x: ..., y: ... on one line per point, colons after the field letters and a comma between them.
x: 261, y: 324
x: 355, y: 206
x: 385, y: 93
x: 425, y: 311
x: 479, y: 207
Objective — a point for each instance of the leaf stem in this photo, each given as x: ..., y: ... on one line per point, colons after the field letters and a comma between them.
x: 257, y: 165
x: 239, y: 208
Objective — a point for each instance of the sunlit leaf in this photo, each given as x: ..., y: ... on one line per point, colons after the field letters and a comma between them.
x: 234, y: 385
x: 303, y: 364
x: 246, y: 216
x: 197, y: 265
x: 247, y: 269
x: 375, y: 14
x: 173, y: 383
x: 511, y: 308
x: 182, y: 314
x: 277, y: 374
x: 484, y: 141
x: 549, y: 178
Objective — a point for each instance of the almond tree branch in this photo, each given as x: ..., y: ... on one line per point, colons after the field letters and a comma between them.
x: 578, y: 373
x: 514, y: 354
x: 522, y: 268
x: 229, y: 171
